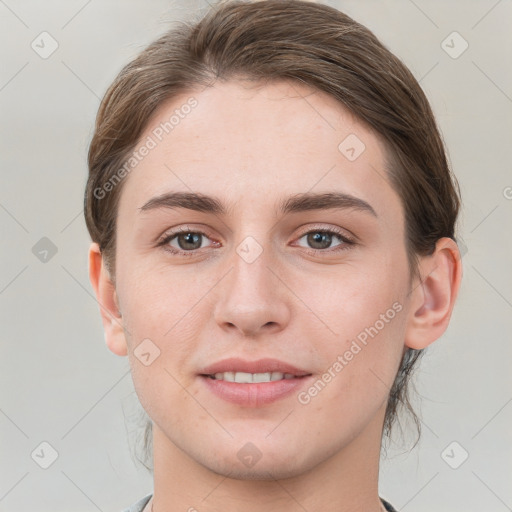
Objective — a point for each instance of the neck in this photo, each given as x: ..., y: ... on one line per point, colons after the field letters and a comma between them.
x: 345, y: 481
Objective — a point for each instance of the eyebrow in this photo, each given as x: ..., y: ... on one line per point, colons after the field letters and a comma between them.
x: 296, y: 203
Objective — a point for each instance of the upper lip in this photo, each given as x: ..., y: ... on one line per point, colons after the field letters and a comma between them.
x: 260, y: 366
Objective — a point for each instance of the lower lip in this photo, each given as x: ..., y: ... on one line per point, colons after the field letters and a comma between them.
x: 254, y: 395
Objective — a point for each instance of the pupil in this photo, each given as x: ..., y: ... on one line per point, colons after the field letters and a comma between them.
x: 190, y: 238
x: 320, y: 237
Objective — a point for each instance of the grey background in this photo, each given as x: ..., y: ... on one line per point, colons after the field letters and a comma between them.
x: 58, y: 381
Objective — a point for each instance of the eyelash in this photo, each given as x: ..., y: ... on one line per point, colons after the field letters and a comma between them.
x: 347, y: 242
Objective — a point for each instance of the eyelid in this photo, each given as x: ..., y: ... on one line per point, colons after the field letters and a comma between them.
x: 342, y: 232
x: 184, y: 228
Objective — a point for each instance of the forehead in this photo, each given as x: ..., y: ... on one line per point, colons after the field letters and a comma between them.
x: 253, y: 143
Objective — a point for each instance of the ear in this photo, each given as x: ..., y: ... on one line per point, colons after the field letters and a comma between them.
x: 106, y: 296
x: 433, y: 296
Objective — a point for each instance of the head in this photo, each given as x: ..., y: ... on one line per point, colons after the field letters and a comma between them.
x: 259, y: 104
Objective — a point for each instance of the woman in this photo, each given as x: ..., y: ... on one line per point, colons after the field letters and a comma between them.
x: 273, y: 226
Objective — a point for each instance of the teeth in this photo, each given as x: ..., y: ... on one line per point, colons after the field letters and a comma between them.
x: 258, y: 377
x: 249, y: 378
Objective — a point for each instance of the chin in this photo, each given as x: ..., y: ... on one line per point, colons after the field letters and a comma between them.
x: 265, y: 471
x: 255, y: 461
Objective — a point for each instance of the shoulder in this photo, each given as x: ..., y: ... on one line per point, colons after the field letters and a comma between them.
x: 139, y: 505
x: 388, y: 506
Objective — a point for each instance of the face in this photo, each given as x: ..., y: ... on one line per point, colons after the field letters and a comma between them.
x: 270, y: 270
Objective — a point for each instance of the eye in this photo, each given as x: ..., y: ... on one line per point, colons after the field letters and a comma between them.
x: 187, y: 242
x: 183, y: 241
x: 322, y: 239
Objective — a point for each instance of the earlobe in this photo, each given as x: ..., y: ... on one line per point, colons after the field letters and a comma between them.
x: 107, y: 298
x: 433, y: 297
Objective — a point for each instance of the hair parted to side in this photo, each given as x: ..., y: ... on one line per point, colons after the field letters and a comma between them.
x: 303, y: 42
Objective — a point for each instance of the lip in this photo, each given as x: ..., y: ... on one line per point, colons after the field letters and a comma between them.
x: 260, y: 366
x: 255, y: 394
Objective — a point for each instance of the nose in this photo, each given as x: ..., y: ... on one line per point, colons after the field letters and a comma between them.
x: 252, y: 299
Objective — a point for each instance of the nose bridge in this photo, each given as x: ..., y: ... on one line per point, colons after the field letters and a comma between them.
x: 253, y: 252
x: 251, y: 299
x: 251, y: 277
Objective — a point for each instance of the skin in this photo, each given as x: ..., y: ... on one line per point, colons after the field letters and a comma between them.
x: 251, y: 147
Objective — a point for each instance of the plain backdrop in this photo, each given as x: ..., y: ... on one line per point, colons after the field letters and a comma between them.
x: 60, y: 385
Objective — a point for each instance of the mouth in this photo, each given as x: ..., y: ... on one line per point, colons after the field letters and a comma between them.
x: 252, y: 378
x: 253, y: 383
x: 250, y: 372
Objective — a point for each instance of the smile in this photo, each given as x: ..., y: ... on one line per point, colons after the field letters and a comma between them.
x: 253, y: 383
x: 250, y: 378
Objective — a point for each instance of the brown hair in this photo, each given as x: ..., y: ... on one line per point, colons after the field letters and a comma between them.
x: 295, y: 40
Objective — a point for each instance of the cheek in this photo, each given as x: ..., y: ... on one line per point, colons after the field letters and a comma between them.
x: 159, y: 303
x: 352, y: 299
x: 363, y: 319
x: 151, y: 312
